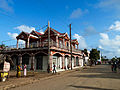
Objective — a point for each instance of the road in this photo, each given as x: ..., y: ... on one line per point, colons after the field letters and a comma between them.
x: 99, y: 77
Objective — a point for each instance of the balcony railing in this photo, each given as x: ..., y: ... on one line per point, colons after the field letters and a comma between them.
x: 42, y: 45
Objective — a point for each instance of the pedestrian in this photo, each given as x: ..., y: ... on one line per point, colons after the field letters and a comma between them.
x: 54, y: 68
x: 25, y: 70
x: 18, y: 71
x: 118, y: 67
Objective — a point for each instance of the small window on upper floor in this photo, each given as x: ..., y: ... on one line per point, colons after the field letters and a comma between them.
x: 60, y: 44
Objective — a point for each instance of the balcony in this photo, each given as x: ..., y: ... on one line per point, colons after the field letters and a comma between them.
x: 53, y: 45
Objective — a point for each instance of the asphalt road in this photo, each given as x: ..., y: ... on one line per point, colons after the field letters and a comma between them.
x: 96, y: 78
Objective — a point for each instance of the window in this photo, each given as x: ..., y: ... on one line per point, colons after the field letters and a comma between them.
x: 67, y: 45
x: 60, y: 44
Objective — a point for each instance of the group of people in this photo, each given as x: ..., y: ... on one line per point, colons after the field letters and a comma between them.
x: 19, y: 69
x: 115, y: 66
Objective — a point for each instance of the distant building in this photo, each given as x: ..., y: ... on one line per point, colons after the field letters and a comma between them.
x: 34, y: 52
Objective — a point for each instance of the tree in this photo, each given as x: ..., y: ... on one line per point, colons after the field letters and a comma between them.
x: 94, y: 55
x: 85, y: 52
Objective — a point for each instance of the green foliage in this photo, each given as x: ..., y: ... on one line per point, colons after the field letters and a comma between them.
x: 2, y: 45
x: 103, y: 58
x: 94, y: 54
x: 85, y: 52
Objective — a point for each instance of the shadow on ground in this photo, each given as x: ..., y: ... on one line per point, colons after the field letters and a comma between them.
x: 87, y: 87
x: 98, y: 72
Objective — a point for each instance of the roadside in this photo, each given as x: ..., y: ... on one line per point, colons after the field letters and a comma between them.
x: 98, y: 77
x: 31, y: 77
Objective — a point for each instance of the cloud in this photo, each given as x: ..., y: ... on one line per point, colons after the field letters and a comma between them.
x: 6, y: 6
x: 81, y: 40
x: 13, y: 35
x: 41, y: 31
x: 115, y: 26
x: 24, y: 28
x: 90, y: 30
x: 77, y: 13
x: 111, y: 45
x: 109, y: 4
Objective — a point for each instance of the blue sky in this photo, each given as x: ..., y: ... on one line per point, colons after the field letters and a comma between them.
x: 95, y: 23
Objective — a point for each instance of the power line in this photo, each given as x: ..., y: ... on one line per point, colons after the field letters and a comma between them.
x: 42, y: 28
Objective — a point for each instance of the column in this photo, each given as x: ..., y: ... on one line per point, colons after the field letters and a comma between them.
x: 20, y: 60
x: 40, y: 42
x: 63, y: 43
x: 69, y: 46
x: 32, y: 61
x: 28, y: 41
x: 50, y: 63
x: 17, y: 43
x: 52, y: 43
x: 78, y: 61
x: 75, y: 62
x: 63, y: 61
x: 37, y: 44
x: 57, y: 41
x: 77, y: 46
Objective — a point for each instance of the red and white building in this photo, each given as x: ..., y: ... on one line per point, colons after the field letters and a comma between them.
x: 34, y: 52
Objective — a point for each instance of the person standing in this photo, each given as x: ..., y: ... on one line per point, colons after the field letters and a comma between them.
x: 18, y: 71
x: 25, y: 70
x: 54, y: 68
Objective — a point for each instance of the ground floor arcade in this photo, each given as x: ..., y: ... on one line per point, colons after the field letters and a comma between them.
x: 39, y: 60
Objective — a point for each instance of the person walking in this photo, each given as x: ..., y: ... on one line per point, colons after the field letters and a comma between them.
x: 54, y: 68
x: 25, y: 70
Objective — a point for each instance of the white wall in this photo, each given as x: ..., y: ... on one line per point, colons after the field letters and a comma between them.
x: 45, y: 63
x: 81, y: 62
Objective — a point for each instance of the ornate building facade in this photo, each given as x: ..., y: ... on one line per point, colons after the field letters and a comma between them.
x: 34, y: 52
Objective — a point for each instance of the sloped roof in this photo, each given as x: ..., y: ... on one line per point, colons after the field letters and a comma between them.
x: 38, y: 33
x: 57, y: 31
x: 74, y: 40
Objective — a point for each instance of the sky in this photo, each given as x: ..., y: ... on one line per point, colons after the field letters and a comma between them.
x: 95, y: 23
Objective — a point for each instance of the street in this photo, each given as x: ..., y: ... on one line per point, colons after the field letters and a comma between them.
x: 97, y: 77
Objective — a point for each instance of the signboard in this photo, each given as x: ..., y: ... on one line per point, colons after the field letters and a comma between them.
x: 6, y: 67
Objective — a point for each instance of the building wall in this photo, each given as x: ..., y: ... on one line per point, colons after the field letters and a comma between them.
x: 45, y: 63
x: 81, y: 62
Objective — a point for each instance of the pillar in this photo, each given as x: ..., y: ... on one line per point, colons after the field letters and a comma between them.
x: 63, y: 43
x: 32, y: 61
x: 69, y: 45
x: 17, y: 43
x: 50, y: 62
x: 37, y: 44
x: 40, y: 42
x: 20, y: 60
x: 28, y: 41
x: 75, y: 62
x: 77, y: 46
x: 52, y: 43
x: 57, y: 41
x: 63, y: 61
x: 78, y: 61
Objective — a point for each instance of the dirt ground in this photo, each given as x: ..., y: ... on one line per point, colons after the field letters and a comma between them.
x: 31, y: 77
x: 95, y: 78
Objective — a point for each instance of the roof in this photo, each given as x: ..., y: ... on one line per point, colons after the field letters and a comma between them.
x: 57, y: 31
x: 38, y: 33
x: 74, y: 40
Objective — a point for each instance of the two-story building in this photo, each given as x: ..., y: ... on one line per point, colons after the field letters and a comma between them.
x: 34, y: 52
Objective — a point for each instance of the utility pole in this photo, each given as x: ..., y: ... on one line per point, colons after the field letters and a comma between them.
x: 70, y: 46
x: 48, y: 47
